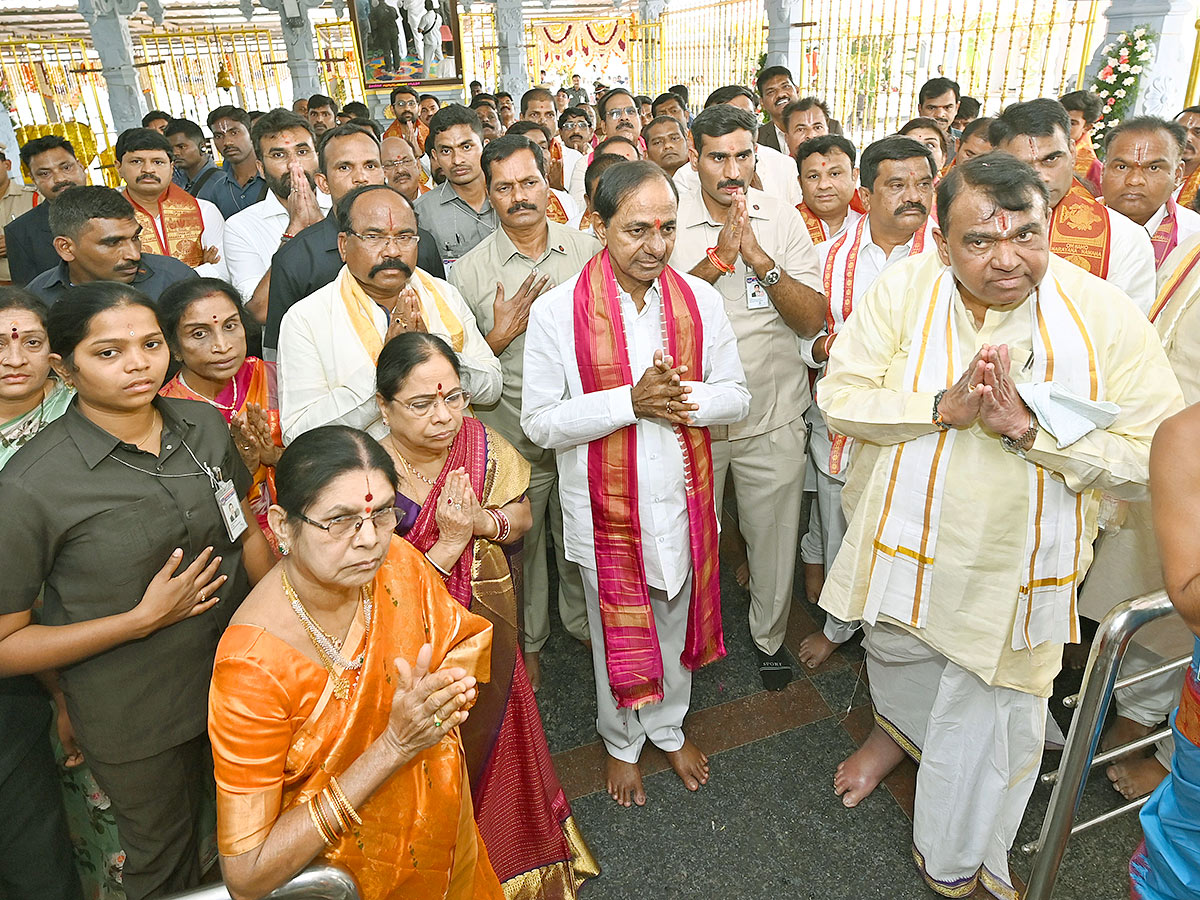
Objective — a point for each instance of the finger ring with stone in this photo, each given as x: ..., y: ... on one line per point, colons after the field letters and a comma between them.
x: 458, y: 506
x: 437, y: 723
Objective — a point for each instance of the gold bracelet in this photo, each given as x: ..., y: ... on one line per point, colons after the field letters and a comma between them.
x: 341, y: 821
x: 314, y: 814
x: 331, y: 833
x: 343, y: 801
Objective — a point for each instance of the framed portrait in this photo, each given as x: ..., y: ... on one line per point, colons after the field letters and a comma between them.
x: 407, y: 42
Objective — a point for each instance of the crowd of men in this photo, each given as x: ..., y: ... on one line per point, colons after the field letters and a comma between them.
x: 830, y: 319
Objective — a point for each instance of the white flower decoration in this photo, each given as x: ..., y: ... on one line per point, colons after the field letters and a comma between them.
x: 1128, y: 81
x: 1119, y: 93
x: 1136, y: 70
x: 1111, y: 79
x: 1112, y: 60
x: 1123, y: 67
x: 1139, y: 46
x: 1138, y: 32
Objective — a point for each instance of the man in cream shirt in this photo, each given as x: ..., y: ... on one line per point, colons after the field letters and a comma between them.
x: 329, y: 341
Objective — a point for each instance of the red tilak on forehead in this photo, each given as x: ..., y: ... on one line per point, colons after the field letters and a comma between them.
x: 14, y: 330
x: 1002, y: 220
x: 658, y: 223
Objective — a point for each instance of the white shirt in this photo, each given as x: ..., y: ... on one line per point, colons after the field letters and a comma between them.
x: 570, y: 160
x: 212, y: 234
x: 575, y: 183
x: 252, y: 237
x: 1131, y: 260
x: 1186, y: 220
x: 558, y: 415
x: 326, y: 376
x: 573, y: 210
x: 777, y: 171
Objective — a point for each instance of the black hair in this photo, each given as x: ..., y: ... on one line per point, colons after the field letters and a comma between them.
x: 894, y: 147
x: 613, y: 139
x: 153, y: 116
x: 524, y: 126
x: 320, y: 101
x: 936, y: 87
x: 620, y: 182
x: 602, y: 102
x: 729, y: 92
x: 346, y: 204
x: 1148, y: 124
x: 432, y: 97
x: 720, y: 120
x: 662, y: 120
x: 534, y: 94
x: 349, y: 129
x: 574, y: 112
x: 356, y: 109
x: 229, y: 112
x: 506, y: 145
x: 275, y: 122
x: 71, y: 210
x: 317, y: 457
x: 772, y: 72
x: 1036, y: 118
x: 668, y: 97
x: 1190, y: 109
x: 925, y: 122
x: 448, y: 117
x: 1010, y: 183
x: 41, y: 145
x: 405, y: 352
x: 1085, y: 102
x: 483, y: 99
x: 133, y: 140
x: 14, y: 297
x: 802, y: 105
x: 402, y: 89
x: 368, y: 127
x: 500, y: 94
x: 968, y: 108
x: 824, y: 144
x: 188, y: 129
x: 70, y: 318
x: 174, y: 301
x: 681, y: 91
x: 600, y: 164
x: 980, y: 124
x: 475, y: 84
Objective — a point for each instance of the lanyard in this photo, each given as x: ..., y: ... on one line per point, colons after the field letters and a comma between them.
x: 214, y: 476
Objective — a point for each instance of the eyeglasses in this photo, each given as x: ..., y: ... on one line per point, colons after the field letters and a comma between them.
x: 627, y: 112
x: 408, y: 104
x: 394, y: 164
x: 423, y: 408
x: 575, y: 126
x: 344, y: 527
x: 376, y: 240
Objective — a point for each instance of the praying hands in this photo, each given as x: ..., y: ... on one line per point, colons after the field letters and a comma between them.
x: 661, y: 394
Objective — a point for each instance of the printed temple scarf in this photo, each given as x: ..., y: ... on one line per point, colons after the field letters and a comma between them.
x: 634, y: 658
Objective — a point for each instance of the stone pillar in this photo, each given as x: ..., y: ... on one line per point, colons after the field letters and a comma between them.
x: 779, y: 33
x: 646, y: 79
x: 299, y: 40
x: 510, y: 40
x: 108, y: 21
x: 1164, y: 82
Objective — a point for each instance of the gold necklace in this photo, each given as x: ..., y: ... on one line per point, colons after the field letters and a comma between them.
x: 328, y: 648
x: 409, y: 466
x: 145, y: 437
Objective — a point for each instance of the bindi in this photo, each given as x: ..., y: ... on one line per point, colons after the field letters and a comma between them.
x: 1003, y: 221
x: 15, y: 333
x: 369, y: 496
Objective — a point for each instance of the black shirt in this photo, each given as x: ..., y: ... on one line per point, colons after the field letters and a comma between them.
x: 310, y: 260
x: 30, y: 245
x: 156, y: 275
x: 77, y: 519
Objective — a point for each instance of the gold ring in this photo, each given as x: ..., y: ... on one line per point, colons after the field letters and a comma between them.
x: 437, y: 723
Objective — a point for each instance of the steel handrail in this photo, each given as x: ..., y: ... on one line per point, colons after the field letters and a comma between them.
x: 317, y: 883
x: 1100, y: 680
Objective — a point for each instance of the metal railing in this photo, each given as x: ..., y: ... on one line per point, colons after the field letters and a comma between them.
x: 1079, y: 755
x: 317, y: 883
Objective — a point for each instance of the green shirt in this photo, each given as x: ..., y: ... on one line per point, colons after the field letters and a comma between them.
x: 495, y: 260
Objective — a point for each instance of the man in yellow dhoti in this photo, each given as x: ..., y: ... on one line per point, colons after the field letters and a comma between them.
x: 973, y: 498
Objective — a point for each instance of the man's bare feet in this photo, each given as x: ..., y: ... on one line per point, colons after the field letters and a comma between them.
x: 624, y: 782
x: 860, y: 773
x: 742, y: 573
x: 1136, y: 777
x: 814, y: 580
x: 815, y: 649
x: 690, y: 765
x: 533, y: 668
x: 1123, y: 731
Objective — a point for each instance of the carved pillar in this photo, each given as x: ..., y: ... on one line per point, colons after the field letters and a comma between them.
x: 108, y: 21
x: 510, y: 40
x: 298, y: 39
x: 779, y: 33
x: 1164, y: 81
x: 647, y: 79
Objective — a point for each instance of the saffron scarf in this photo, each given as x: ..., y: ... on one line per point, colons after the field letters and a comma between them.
x: 555, y: 211
x: 904, y: 554
x: 818, y: 230
x: 1166, y: 236
x: 182, y: 226
x: 438, y: 316
x: 1080, y: 232
x: 632, y: 651
x: 1189, y: 188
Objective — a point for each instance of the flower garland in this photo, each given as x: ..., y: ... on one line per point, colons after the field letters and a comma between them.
x: 1117, y: 83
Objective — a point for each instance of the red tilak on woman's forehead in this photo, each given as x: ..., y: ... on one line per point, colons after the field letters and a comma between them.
x: 369, y: 497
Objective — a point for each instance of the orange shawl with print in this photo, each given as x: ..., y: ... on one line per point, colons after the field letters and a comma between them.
x: 182, y: 226
x: 1188, y: 190
x: 1080, y: 231
x: 278, y: 733
x: 555, y: 211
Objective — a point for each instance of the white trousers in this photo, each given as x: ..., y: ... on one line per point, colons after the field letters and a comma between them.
x: 979, y: 749
x: 1149, y: 702
x: 624, y: 731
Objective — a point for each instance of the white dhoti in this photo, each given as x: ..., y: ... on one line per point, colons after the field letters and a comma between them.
x: 624, y: 731
x: 979, y: 749
x: 1149, y: 702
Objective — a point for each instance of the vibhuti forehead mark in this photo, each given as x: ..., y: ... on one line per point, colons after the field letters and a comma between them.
x: 1139, y: 152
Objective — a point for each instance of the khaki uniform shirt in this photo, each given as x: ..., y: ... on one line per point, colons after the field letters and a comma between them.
x: 16, y: 201
x: 495, y: 259
x: 770, y: 350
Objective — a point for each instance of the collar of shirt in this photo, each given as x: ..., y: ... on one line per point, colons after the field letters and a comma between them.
x: 446, y: 194
x: 900, y: 252
x: 506, y: 249
x: 1155, y: 220
x: 227, y: 168
x: 649, y: 299
x: 15, y: 188
x: 188, y: 182
x: 95, y: 443
x: 62, y: 274
x: 693, y: 211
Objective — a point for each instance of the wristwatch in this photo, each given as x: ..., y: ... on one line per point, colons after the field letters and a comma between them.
x: 1021, y: 445
x: 772, y: 277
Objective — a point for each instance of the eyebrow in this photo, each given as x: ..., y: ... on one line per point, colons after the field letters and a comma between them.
x: 122, y: 339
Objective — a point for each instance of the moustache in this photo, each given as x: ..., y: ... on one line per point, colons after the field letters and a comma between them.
x: 516, y: 207
x: 731, y: 183
x: 62, y: 186
x: 153, y: 178
x: 911, y: 207
x: 398, y: 265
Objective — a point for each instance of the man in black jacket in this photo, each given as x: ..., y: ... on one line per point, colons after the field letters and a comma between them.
x: 51, y: 160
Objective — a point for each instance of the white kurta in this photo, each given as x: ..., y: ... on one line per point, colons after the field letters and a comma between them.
x: 1131, y: 260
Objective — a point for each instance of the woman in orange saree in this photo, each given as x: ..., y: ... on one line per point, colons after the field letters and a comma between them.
x: 462, y: 503
x: 337, y: 693
x: 206, y: 328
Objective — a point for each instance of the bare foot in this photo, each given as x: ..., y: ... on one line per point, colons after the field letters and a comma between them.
x: 860, y: 773
x: 624, y: 782
x: 815, y: 649
x: 690, y: 765
x: 1136, y: 777
x: 742, y: 573
x: 533, y: 668
x: 814, y: 580
x: 1123, y: 731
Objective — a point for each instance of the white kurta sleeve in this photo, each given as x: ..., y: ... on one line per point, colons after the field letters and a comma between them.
x: 213, y: 236
x: 242, y: 256
x: 1131, y: 261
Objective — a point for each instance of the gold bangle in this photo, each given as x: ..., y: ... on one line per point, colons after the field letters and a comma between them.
x: 314, y: 814
x: 343, y: 801
x: 331, y: 834
x: 340, y: 819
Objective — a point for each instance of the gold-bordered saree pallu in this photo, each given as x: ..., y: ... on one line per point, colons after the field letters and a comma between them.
x: 904, y: 554
x: 278, y: 733
x: 532, y: 840
x: 631, y: 647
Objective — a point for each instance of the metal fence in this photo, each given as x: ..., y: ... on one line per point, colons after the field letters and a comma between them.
x: 477, y: 40
x: 339, y: 61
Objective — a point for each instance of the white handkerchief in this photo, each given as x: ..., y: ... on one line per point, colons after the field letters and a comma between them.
x: 1064, y: 414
